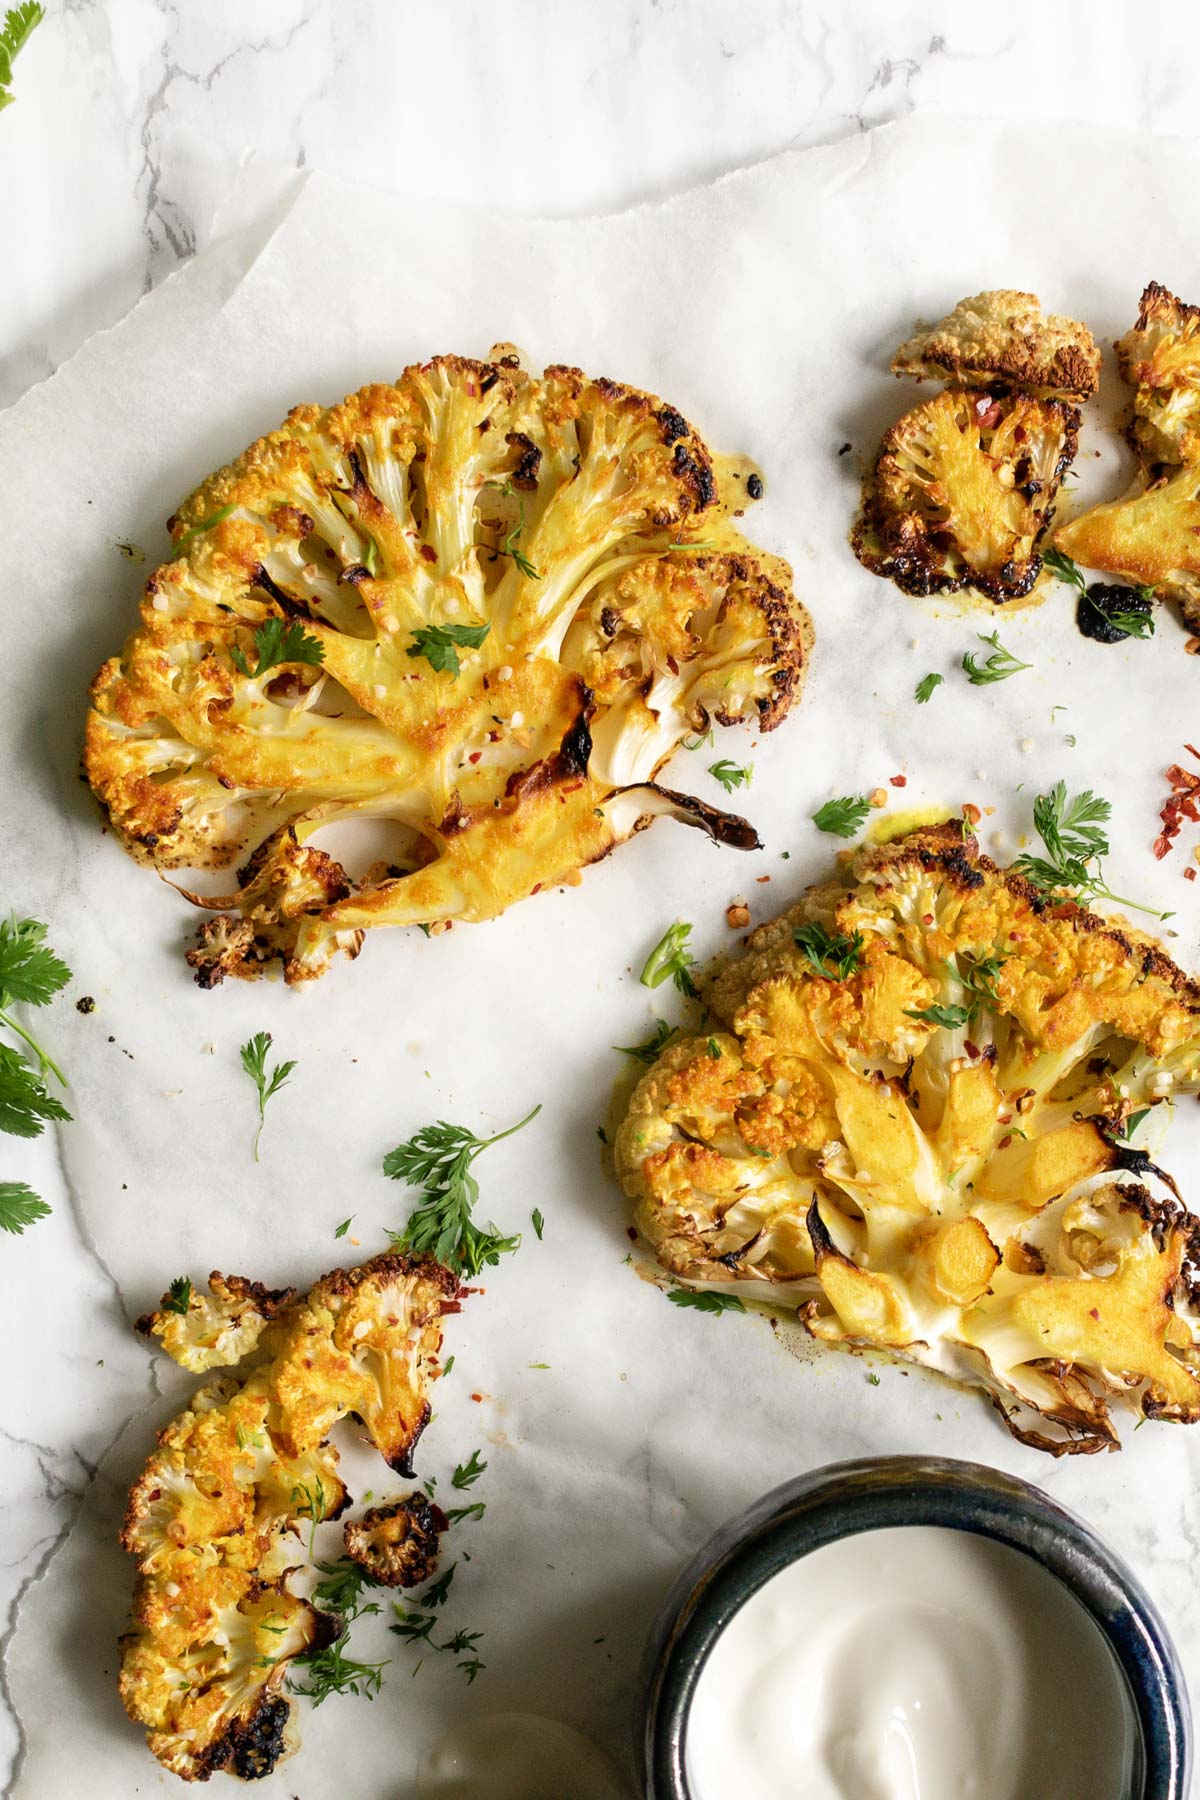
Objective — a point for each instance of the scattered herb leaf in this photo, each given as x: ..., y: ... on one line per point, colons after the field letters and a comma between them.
x: 438, y: 1159
x: 926, y: 685
x: 843, y: 816
x: 652, y: 1048
x: 19, y: 22
x: 824, y: 948
x: 254, y: 1061
x: 708, y: 1302
x: 179, y: 1296
x: 669, y: 957
x: 440, y: 644
x: 276, y: 643
x: 997, y: 667
x: 731, y: 775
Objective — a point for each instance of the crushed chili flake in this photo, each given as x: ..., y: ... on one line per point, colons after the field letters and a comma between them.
x: 897, y: 780
x: 1183, y: 803
x: 475, y: 756
x: 1189, y: 874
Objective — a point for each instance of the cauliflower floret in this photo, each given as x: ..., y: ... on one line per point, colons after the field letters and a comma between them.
x: 216, y: 1328
x: 1160, y: 358
x: 1003, y: 339
x: 1151, y: 536
x: 217, y: 1517
x: 397, y: 1544
x: 922, y: 1077
x: 483, y: 606
x: 963, y: 487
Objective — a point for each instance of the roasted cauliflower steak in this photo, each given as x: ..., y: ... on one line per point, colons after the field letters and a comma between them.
x: 963, y: 487
x: 916, y: 1143
x: 1002, y: 338
x: 1160, y: 358
x: 481, y: 606
x: 216, y: 1516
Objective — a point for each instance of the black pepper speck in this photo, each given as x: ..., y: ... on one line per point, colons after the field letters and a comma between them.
x: 754, y: 486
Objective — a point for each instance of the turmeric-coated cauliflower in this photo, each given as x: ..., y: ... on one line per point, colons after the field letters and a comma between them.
x: 1002, y: 338
x: 481, y: 606
x: 1151, y: 536
x: 215, y: 1518
x: 1160, y: 358
x: 908, y: 1127
x: 963, y: 487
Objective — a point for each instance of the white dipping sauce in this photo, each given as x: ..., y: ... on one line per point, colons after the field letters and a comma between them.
x: 917, y: 1663
x: 517, y: 1756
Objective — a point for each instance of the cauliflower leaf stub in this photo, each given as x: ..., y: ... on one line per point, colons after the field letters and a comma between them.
x: 219, y: 1518
x: 925, y: 1155
x: 481, y: 607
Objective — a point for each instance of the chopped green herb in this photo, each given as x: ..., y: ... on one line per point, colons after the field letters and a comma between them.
x: 511, y: 543
x: 254, y: 1061
x: 952, y: 1017
x: 714, y: 1049
x: 997, y: 667
x: 926, y: 685
x: 440, y: 644
x: 19, y: 22
x: 457, y: 1513
x: 843, y: 816
x: 1132, y: 1123
x: 30, y: 975
x: 436, y: 1595
x: 824, y: 948
x: 708, y: 1302
x: 277, y: 643
x: 468, y: 1473
x: 179, y: 1296
x: 538, y: 1222
x: 651, y: 1049
x: 1065, y: 567
x: 1070, y: 827
x: 669, y: 957
x: 438, y: 1159
x: 344, y: 1227
x: 331, y: 1671
x: 699, y: 742
x: 196, y: 531
x: 19, y: 1207
x: 874, y: 1380
x: 731, y: 775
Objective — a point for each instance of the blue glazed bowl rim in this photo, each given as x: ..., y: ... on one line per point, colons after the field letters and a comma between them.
x: 874, y: 1493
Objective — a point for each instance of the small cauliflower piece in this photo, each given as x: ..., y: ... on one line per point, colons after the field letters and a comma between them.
x: 962, y: 490
x: 1002, y: 338
x: 218, y: 1517
x: 1160, y: 358
x: 216, y: 1328
x: 397, y: 1544
x: 918, y: 1169
x: 496, y: 604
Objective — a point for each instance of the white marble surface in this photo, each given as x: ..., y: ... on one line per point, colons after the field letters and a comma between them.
x: 131, y: 120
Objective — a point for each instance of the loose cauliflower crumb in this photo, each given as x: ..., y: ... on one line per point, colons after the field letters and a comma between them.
x: 1002, y: 338
x: 216, y: 1517
x: 574, y: 537
x: 397, y: 1544
x: 962, y: 490
x: 918, y: 1169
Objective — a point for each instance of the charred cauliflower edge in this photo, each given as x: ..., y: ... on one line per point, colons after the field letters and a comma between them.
x: 580, y: 529
x: 964, y: 486
x: 948, y: 1187
x: 215, y: 1518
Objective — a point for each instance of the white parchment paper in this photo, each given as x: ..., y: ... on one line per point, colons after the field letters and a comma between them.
x: 766, y: 308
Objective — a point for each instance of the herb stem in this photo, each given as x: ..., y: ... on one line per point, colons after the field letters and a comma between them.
x: 44, y: 1058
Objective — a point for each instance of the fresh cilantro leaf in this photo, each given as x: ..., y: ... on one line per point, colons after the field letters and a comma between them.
x: 437, y: 644
x: 344, y: 1227
x: 843, y: 816
x: 731, y: 775
x: 25, y: 1104
x: 1071, y: 829
x: 653, y: 1047
x: 538, y: 1222
x: 926, y: 685
x: 179, y: 1295
x: 19, y: 22
x: 708, y: 1302
x: 438, y: 1159
x: 952, y: 1017
x: 30, y: 975
x: 254, y: 1061
x: 276, y: 643
x: 997, y: 667
x: 468, y: 1473
x: 19, y: 1207
x: 669, y: 957
x: 823, y: 948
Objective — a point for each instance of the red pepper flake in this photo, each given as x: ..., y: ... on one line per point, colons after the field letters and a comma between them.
x: 478, y: 1399
x: 761, y: 878
x: 428, y: 552
x: 1094, y: 1313
x: 475, y: 756
x: 971, y: 1049
x: 927, y: 918
x: 1189, y: 874
x: 897, y: 780
x: 1183, y: 803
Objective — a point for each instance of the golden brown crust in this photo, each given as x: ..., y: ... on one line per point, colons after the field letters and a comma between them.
x: 397, y: 1544
x: 1003, y: 339
x: 1160, y: 358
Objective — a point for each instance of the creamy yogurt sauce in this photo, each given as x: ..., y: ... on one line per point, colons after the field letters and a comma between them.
x: 517, y: 1756
x: 917, y: 1663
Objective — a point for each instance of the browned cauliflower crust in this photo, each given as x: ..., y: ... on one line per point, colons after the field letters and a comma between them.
x: 944, y: 1185
x: 397, y: 1544
x: 1160, y: 358
x: 218, y: 1328
x: 1151, y: 536
x: 962, y: 490
x: 1003, y: 339
x: 580, y: 529
x: 216, y: 1517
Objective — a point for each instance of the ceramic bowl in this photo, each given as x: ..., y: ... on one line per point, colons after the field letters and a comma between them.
x: 876, y: 1492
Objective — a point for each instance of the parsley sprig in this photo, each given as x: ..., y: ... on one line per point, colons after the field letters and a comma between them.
x: 178, y: 1296
x: 1129, y: 624
x: 978, y: 976
x: 30, y: 975
x: 652, y: 1048
x: 19, y: 22
x: 825, y: 948
x: 1071, y: 829
x: 440, y: 644
x: 254, y: 1061
x: 843, y: 816
x: 438, y: 1159
x: 669, y: 958
x: 731, y: 775
x: 997, y: 667
x: 924, y: 688
x: 330, y: 1670
x: 277, y: 642
x: 709, y: 1301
